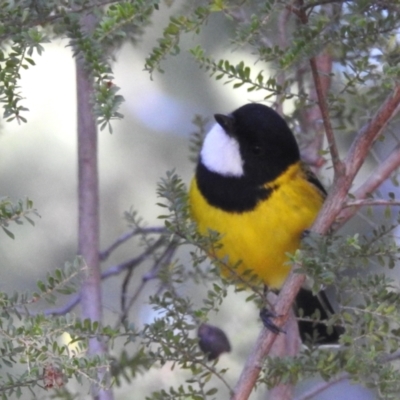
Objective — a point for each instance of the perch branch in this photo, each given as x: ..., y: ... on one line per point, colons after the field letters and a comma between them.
x: 326, y: 217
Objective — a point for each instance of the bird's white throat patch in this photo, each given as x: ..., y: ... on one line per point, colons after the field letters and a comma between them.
x: 220, y: 153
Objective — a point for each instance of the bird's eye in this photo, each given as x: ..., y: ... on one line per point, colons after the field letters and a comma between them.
x: 257, y: 150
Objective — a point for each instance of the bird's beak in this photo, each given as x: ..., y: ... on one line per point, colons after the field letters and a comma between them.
x: 227, y: 122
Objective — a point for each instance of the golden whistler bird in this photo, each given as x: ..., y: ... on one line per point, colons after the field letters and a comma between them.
x: 251, y: 186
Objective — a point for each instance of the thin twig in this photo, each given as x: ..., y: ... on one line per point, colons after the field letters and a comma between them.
x: 370, y: 132
x: 371, y: 202
x: 128, y: 235
x: 217, y: 374
x: 338, y: 166
x: 53, y: 17
x: 72, y: 303
x: 111, y: 271
x: 341, y: 377
x: 320, y: 3
x: 131, y: 268
x: 117, y: 269
x: 321, y: 91
x: 353, y: 161
x: 317, y: 389
x: 378, y: 176
x: 164, y: 259
x: 391, y: 357
x: 282, y: 24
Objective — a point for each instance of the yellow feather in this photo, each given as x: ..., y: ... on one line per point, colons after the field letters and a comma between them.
x: 261, y: 238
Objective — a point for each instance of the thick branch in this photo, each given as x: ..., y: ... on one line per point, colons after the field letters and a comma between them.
x: 327, y: 216
x: 287, y: 345
x: 252, y: 368
x: 88, y: 193
x: 266, y: 338
x: 334, y: 202
x: 88, y: 190
x: 88, y: 198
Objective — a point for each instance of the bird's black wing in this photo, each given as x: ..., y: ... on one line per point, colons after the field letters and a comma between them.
x: 312, y: 178
x: 310, y: 305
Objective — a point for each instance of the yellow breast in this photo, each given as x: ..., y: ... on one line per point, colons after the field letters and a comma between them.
x: 262, y: 237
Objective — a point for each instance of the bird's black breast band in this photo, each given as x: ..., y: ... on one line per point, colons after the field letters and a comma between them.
x: 229, y: 193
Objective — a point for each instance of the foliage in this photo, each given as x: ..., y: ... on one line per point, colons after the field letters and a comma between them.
x: 48, y: 350
x: 29, y: 25
x: 359, y: 41
x: 363, y: 75
x: 368, y: 311
x: 18, y: 212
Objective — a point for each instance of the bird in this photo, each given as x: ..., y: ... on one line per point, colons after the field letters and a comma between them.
x: 251, y: 186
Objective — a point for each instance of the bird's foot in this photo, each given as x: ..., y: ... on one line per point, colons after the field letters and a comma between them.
x: 266, y: 318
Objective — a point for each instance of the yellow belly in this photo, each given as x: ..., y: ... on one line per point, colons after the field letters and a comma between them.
x: 261, y: 238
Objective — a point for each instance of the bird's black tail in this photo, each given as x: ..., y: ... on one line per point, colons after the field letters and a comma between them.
x: 317, y: 333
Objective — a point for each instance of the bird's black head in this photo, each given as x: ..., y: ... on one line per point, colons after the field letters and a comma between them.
x: 246, y: 149
x: 266, y: 143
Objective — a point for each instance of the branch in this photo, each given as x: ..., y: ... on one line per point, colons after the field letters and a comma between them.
x: 313, y: 119
x: 323, y: 386
x: 326, y: 385
x: 321, y: 91
x: 163, y: 260
x: 327, y: 216
x: 72, y: 303
x: 344, y: 176
x: 287, y: 345
x: 126, y: 236
x: 131, y: 266
x: 283, y: 305
x: 378, y: 176
x: 321, y: 67
x: 320, y: 3
x: 112, y: 271
x: 266, y: 338
x: 371, y: 202
x: 281, y: 77
x: 53, y: 17
x: 88, y: 200
x: 353, y: 162
x: 369, y: 133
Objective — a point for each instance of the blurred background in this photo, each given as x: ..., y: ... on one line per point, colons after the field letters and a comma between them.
x: 38, y: 160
